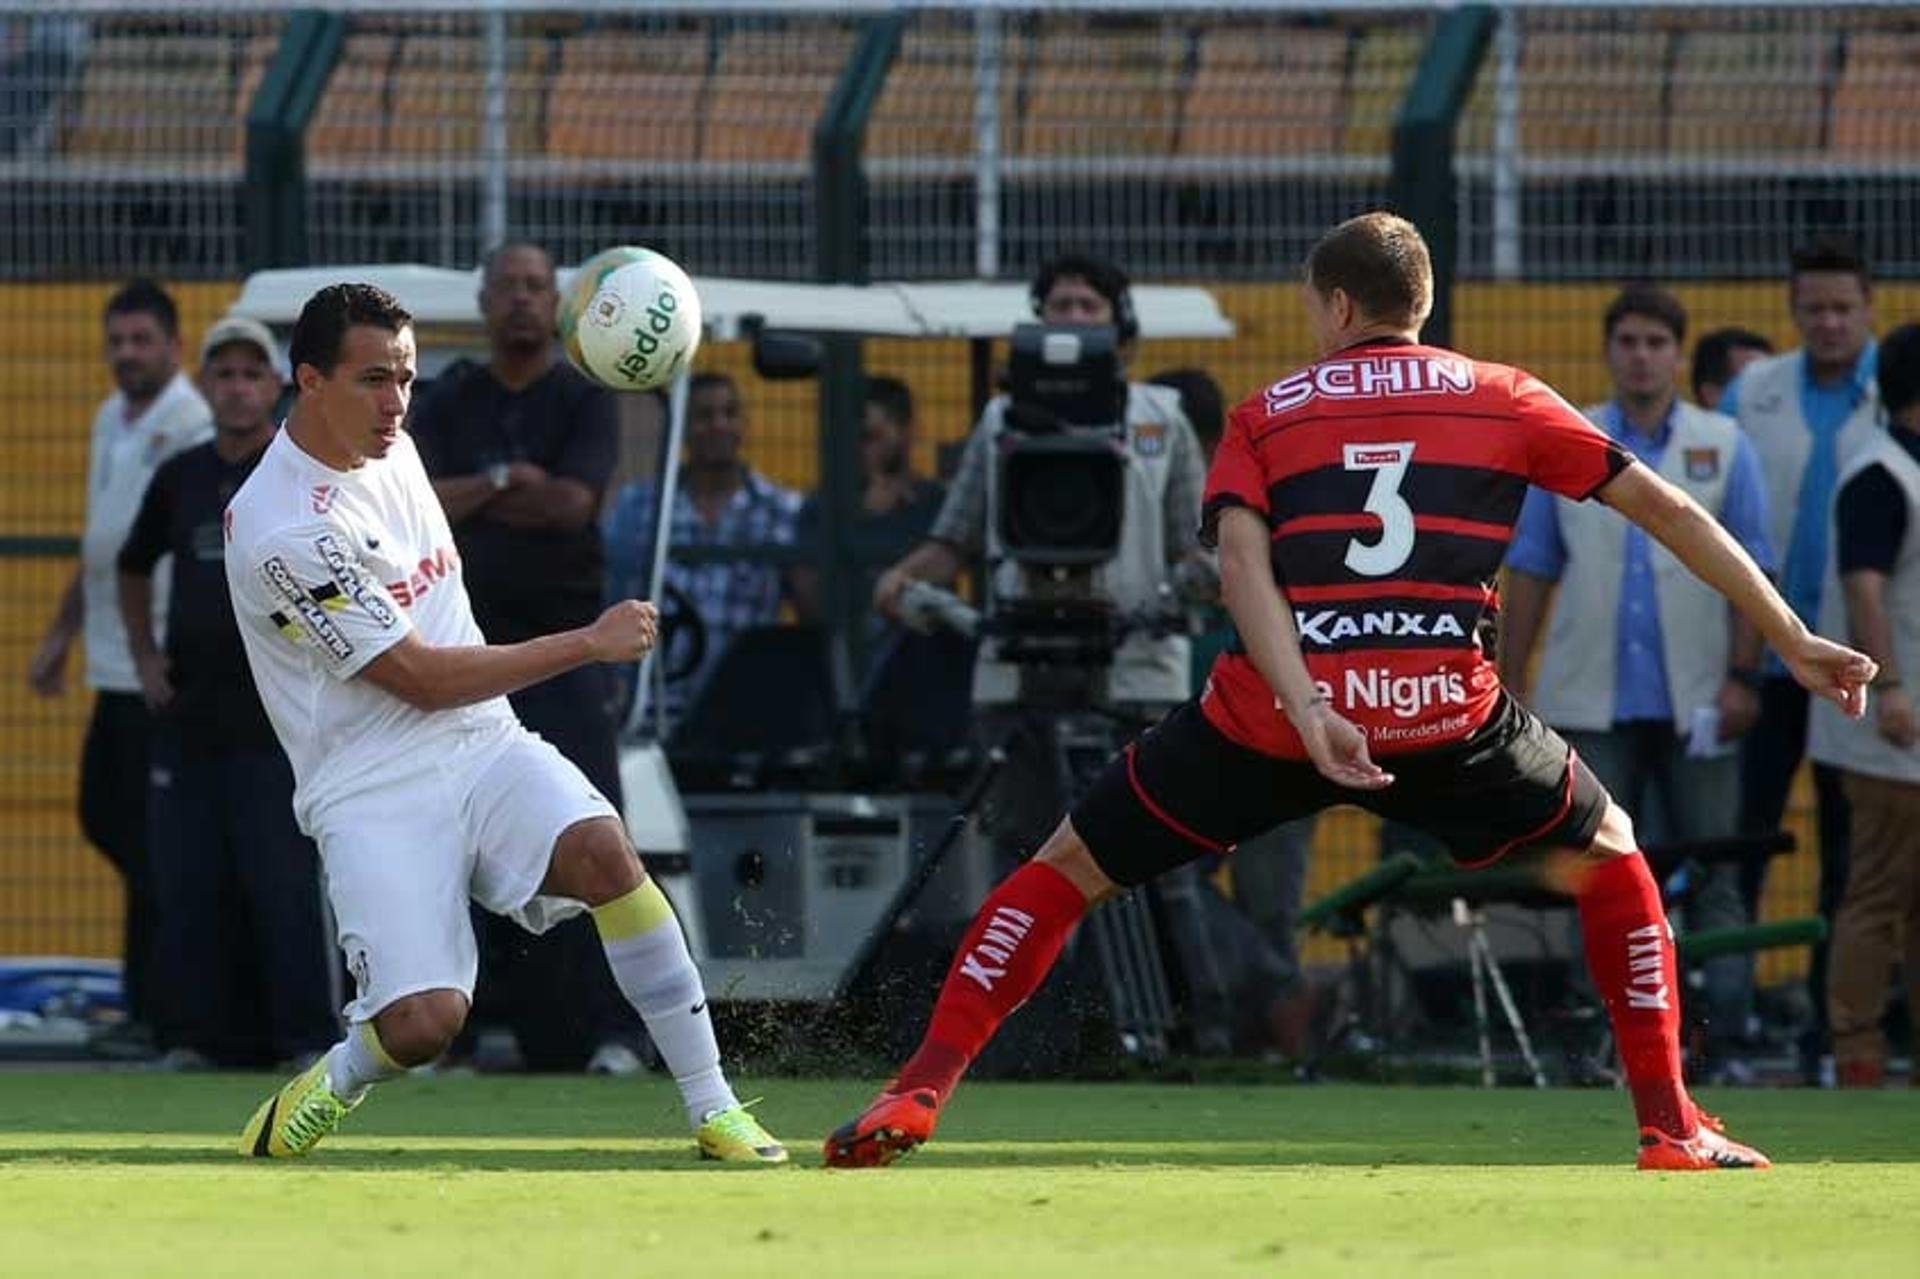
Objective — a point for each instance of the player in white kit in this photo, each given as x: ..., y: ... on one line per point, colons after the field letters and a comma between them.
x: 412, y: 773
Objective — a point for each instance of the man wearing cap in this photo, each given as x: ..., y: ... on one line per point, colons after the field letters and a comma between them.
x: 241, y: 950
x: 153, y: 413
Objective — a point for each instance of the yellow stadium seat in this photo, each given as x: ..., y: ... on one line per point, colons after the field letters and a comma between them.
x: 254, y: 59
x: 1876, y: 108
x: 350, y: 121
x: 1094, y: 95
x: 628, y: 95
x: 439, y: 96
x: 1595, y: 92
x: 1273, y: 92
x: 926, y: 106
x: 1383, y: 65
x: 768, y: 90
x: 1746, y: 93
x: 156, y: 98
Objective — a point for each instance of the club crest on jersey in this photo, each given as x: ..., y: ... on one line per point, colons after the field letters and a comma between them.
x: 1149, y: 439
x: 1702, y: 464
x: 1374, y: 377
x: 323, y: 495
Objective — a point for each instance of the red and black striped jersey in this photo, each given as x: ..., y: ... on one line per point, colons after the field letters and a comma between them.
x: 1390, y: 476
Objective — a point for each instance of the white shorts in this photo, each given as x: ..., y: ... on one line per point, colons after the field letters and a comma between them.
x: 403, y: 859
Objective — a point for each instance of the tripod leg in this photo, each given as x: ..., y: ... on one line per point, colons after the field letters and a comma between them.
x: 1156, y: 996
x: 1127, y: 943
x: 1474, y: 961
x: 1101, y: 927
x: 1512, y: 1011
x: 908, y: 892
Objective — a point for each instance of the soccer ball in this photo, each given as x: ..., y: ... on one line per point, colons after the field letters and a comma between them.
x: 630, y: 320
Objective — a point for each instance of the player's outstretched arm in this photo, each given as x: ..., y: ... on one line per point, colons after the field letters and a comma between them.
x: 1336, y: 747
x: 438, y: 679
x: 1680, y: 524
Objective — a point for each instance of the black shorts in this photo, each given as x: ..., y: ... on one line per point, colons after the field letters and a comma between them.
x: 1182, y: 789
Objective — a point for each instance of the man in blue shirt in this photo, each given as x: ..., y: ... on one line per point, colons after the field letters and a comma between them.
x: 1807, y: 412
x: 1646, y: 672
x: 720, y: 502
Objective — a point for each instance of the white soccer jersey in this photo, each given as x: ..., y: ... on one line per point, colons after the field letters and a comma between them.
x: 124, y: 457
x: 328, y: 569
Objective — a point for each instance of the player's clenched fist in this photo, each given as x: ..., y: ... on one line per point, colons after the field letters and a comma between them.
x: 625, y: 631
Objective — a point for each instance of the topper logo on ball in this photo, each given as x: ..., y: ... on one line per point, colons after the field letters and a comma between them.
x: 647, y: 336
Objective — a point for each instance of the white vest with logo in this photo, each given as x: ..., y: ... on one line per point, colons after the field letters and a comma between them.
x: 1856, y: 744
x: 1769, y: 411
x: 1145, y: 669
x: 1576, y: 688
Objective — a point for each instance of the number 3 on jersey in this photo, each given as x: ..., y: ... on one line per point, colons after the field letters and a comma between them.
x: 1388, y: 462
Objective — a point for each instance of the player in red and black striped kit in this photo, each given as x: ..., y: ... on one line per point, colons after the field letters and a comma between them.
x: 1362, y: 507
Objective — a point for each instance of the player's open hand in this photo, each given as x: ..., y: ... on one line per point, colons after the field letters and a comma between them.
x: 624, y: 632
x: 1832, y: 671
x: 1339, y: 749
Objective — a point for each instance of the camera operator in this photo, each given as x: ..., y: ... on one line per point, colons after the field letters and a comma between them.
x: 1162, y: 477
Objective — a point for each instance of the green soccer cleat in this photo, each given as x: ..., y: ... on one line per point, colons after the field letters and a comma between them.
x: 736, y: 1137
x: 293, y: 1120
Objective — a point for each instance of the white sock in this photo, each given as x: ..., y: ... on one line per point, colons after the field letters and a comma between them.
x: 358, y: 1062
x: 656, y: 974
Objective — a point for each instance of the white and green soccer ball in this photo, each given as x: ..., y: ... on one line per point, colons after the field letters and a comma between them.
x: 630, y: 319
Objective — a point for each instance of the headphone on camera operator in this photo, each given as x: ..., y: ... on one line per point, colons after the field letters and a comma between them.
x: 1067, y: 489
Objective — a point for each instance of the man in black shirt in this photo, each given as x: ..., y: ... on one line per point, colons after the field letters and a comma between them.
x: 242, y: 957
x: 520, y: 451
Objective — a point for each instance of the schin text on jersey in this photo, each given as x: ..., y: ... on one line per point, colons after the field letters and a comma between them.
x: 1372, y: 377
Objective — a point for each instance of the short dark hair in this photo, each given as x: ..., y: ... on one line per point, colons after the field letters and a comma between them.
x: 1830, y: 254
x: 1103, y: 276
x: 491, y: 258
x: 1649, y: 302
x: 709, y: 379
x: 1380, y: 261
x: 322, y: 327
x: 1899, y: 373
x: 1200, y: 399
x: 144, y: 297
x: 891, y: 396
x: 1713, y: 355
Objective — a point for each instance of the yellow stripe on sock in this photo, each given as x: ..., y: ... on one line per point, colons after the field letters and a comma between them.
x: 371, y: 1038
x: 640, y: 911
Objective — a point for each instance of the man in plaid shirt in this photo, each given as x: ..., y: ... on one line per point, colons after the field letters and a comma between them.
x: 720, y: 501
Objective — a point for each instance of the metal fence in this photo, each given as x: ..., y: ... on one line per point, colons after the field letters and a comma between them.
x: 1192, y: 141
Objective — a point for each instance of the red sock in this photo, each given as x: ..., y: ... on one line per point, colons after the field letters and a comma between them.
x: 1630, y: 955
x: 1008, y: 951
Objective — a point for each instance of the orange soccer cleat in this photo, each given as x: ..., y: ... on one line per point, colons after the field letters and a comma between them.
x: 1708, y: 1150
x: 893, y: 1124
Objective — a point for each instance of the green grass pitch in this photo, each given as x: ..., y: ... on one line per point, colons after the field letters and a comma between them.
x: 126, y: 1174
